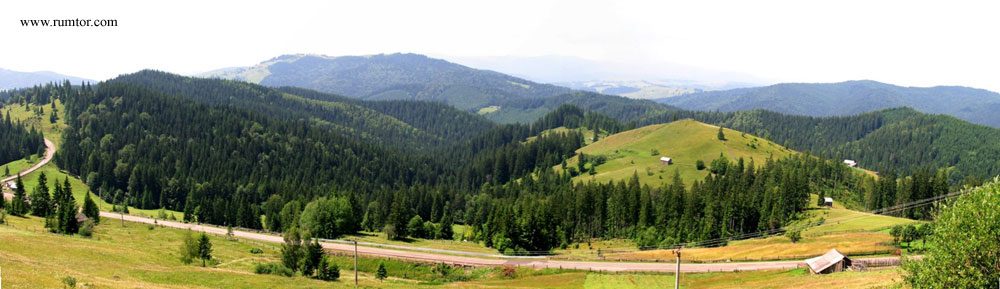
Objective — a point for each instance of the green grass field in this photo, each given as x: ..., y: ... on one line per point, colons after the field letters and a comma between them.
x: 26, y: 115
x: 135, y: 256
x: 685, y: 142
x: 840, y: 219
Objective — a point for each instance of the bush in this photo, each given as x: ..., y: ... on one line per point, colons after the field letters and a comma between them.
x: 966, y: 238
x: 87, y: 229
x: 256, y: 250
x: 700, y: 165
x: 273, y: 268
x: 69, y: 282
x: 794, y: 235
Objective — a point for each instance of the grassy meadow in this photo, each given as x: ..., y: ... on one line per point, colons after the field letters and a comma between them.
x: 638, y: 151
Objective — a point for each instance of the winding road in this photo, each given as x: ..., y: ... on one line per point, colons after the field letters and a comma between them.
x: 445, y: 256
x: 50, y: 150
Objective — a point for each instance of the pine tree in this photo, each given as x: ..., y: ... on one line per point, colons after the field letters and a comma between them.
x: 328, y: 269
x: 311, y: 260
x: 381, y: 273
x: 445, y: 231
x: 721, y: 136
x: 41, y: 200
x: 204, y: 249
x: 19, y: 205
x: 90, y: 209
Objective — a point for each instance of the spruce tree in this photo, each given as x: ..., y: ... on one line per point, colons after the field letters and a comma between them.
x: 204, y: 248
x: 721, y: 135
x: 313, y: 255
x: 19, y: 205
x: 444, y: 231
x: 41, y: 200
x: 381, y: 273
x: 90, y: 209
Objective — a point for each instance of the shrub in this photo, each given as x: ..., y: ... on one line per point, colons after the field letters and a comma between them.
x: 699, y: 164
x: 70, y: 282
x: 256, y: 250
x: 273, y: 268
x: 511, y: 272
x: 794, y: 235
x: 966, y: 238
x: 87, y: 229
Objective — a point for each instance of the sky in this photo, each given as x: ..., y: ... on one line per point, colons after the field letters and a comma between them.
x: 910, y: 43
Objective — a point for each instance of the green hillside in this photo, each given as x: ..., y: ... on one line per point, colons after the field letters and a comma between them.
x: 685, y: 142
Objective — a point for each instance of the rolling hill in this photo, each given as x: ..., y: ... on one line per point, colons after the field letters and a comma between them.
x: 10, y: 79
x: 498, y: 97
x: 638, y: 151
x: 392, y: 76
x: 899, y: 139
x: 848, y: 98
x: 403, y: 124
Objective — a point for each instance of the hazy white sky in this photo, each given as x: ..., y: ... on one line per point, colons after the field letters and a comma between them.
x: 919, y: 43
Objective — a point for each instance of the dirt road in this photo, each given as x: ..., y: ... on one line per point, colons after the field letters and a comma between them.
x: 50, y: 150
x: 473, y: 261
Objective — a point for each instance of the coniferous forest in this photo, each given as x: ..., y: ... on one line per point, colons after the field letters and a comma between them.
x: 155, y: 140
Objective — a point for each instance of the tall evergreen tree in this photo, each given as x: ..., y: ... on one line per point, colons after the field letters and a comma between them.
x: 41, y: 198
x: 204, y: 249
x: 90, y: 209
x: 19, y: 204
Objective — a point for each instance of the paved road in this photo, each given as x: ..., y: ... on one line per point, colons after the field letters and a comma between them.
x: 50, y: 150
x: 452, y: 259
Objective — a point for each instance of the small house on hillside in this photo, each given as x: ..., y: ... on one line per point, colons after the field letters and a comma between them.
x: 12, y: 185
x: 830, y: 262
x: 80, y: 218
x: 828, y: 202
x: 666, y: 160
x: 851, y: 163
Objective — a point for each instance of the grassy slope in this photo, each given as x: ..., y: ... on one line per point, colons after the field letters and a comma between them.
x: 798, y: 278
x: 134, y: 256
x: 684, y: 141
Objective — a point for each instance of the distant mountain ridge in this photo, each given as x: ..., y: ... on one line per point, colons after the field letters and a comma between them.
x: 392, y: 76
x: 848, y: 98
x: 10, y: 79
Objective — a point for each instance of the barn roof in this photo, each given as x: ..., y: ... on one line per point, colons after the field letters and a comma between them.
x: 664, y: 159
x: 820, y: 263
x: 828, y: 200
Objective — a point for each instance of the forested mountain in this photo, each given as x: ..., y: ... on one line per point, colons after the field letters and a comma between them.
x: 10, y: 79
x: 209, y: 148
x: 621, y: 108
x: 848, y: 98
x: 900, y: 139
x: 392, y: 76
x: 406, y: 125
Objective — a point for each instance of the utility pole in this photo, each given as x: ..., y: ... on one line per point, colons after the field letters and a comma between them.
x: 677, y: 274
x: 355, y: 263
